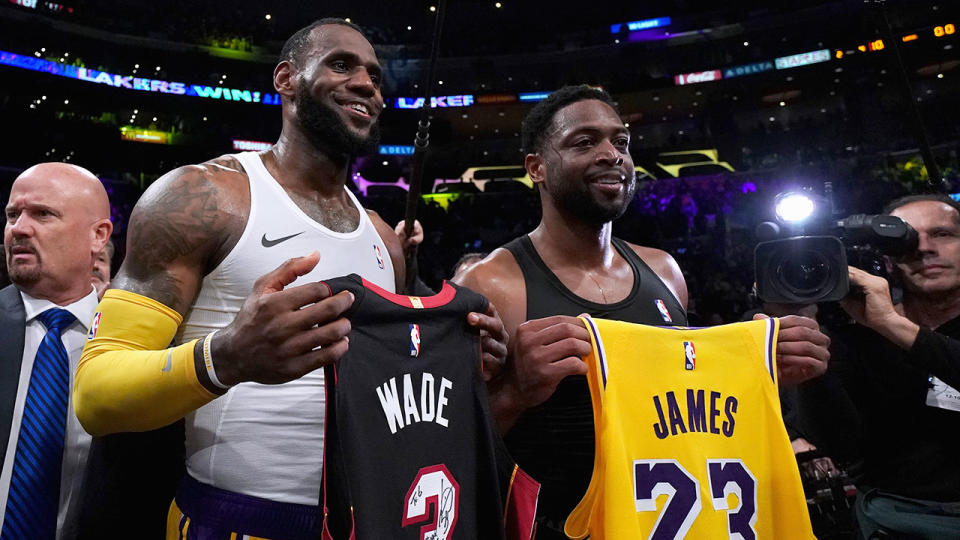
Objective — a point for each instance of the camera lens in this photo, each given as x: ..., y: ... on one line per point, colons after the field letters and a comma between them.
x: 804, y: 273
x: 801, y: 270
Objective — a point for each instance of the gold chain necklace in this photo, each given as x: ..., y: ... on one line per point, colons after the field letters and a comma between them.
x: 599, y: 287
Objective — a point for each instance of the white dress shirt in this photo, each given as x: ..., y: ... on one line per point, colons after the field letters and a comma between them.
x: 76, y: 440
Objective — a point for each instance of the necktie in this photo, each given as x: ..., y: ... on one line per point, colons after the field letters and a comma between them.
x: 34, y: 496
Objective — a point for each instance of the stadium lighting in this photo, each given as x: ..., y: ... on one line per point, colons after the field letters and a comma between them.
x: 433, y: 8
x: 267, y: 16
x: 794, y: 207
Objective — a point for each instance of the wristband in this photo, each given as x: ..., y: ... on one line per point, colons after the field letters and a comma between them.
x: 208, y: 362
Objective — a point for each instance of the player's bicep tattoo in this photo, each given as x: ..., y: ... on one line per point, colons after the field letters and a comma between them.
x: 172, y: 232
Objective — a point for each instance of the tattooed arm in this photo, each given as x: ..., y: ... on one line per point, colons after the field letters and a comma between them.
x: 185, y: 224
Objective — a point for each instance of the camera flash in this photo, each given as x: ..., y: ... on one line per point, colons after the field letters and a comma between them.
x: 794, y: 207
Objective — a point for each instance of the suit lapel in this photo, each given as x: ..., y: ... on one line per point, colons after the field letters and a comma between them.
x: 12, y: 327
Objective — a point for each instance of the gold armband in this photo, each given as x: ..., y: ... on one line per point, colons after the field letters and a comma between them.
x: 127, y: 379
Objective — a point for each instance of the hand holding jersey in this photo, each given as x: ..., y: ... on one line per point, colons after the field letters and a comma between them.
x: 802, y: 352
x: 278, y: 335
x: 281, y: 334
x: 493, y: 340
x: 545, y: 351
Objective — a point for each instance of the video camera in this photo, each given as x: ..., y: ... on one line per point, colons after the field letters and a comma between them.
x: 792, y: 267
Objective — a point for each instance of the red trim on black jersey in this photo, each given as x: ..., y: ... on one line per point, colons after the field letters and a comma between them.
x: 442, y: 298
x: 521, y: 507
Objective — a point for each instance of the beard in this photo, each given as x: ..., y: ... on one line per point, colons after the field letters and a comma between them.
x: 574, y: 197
x: 23, y: 274
x: 328, y: 132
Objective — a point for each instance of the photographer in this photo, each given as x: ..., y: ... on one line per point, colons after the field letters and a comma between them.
x: 888, y: 398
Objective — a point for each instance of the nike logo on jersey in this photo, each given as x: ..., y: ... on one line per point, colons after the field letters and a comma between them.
x: 270, y: 243
x: 169, y: 365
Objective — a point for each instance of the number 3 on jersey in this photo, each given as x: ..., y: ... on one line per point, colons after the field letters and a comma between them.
x: 655, y: 477
x: 435, y: 487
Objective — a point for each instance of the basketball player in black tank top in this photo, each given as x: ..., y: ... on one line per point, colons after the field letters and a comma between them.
x: 570, y: 264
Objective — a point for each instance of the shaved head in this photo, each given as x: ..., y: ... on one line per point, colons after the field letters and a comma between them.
x: 76, y: 182
x: 57, y: 220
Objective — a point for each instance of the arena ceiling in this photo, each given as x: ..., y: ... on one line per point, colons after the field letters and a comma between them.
x: 506, y: 22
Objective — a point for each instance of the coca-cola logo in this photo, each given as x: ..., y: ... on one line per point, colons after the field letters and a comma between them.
x: 699, y: 77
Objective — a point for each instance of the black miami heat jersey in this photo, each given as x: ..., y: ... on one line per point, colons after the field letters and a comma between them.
x: 411, y: 448
x: 690, y: 441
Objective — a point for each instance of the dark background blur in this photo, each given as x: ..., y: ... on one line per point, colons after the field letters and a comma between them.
x: 712, y: 154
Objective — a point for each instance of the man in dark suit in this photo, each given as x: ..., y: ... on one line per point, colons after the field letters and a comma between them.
x: 57, y: 220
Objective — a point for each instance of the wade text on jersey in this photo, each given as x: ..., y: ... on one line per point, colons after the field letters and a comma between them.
x: 414, y: 403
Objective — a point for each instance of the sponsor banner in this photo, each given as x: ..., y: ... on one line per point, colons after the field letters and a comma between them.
x: 494, y: 99
x: 802, y: 59
x: 698, y: 77
x: 251, y: 146
x: 747, y: 69
x: 144, y: 135
x: 636, y: 26
x: 396, y: 150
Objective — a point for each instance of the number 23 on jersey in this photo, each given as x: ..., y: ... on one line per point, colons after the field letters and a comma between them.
x: 690, y: 440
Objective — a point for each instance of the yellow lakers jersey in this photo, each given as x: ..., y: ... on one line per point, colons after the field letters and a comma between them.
x: 689, y: 438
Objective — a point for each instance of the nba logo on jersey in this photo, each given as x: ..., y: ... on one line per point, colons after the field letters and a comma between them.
x: 690, y: 356
x: 376, y: 251
x: 414, y: 340
x: 663, y: 310
x: 94, y: 326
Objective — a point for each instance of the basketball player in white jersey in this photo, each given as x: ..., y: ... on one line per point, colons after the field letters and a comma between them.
x: 205, y: 242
